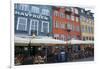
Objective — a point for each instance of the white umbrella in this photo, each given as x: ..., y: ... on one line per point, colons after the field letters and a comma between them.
x: 88, y: 42
x: 47, y: 41
x: 74, y: 41
x: 19, y: 41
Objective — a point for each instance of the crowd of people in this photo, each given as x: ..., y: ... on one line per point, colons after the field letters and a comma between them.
x: 58, y: 55
x: 21, y: 59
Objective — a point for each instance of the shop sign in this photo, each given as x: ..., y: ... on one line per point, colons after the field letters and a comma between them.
x: 31, y: 15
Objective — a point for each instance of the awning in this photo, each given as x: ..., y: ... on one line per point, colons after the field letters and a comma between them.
x: 48, y: 41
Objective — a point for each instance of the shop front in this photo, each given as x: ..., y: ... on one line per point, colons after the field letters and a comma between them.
x: 39, y: 51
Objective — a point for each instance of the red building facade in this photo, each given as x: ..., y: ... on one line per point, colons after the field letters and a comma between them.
x: 66, y: 24
x: 59, y: 23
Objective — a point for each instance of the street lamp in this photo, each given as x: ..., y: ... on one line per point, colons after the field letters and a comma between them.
x: 29, y: 45
x: 68, y: 30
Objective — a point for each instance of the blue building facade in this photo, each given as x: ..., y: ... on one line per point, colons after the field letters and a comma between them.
x: 31, y: 19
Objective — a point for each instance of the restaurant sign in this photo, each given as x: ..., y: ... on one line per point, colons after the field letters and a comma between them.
x: 31, y: 15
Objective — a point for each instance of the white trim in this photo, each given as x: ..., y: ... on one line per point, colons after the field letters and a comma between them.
x: 17, y: 28
x: 17, y: 23
x: 48, y: 26
x: 42, y: 25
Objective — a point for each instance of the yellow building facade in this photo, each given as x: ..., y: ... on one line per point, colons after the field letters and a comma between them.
x: 87, y: 28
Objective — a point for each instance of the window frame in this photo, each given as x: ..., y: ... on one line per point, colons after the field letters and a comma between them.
x: 35, y: 9
x: 35, y: 21
x: 72, y: 17
x: 18, y: 19
x: 43, y: 26
x: 45, y: 12
x: 23, y: 7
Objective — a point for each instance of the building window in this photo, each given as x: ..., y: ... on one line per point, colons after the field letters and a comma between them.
x: 92, y: 21
x: 45, y: 26
x: 63, y: 37
x: 77, y: 28
x: 56, y: 13
x: 69, y: 26
x: 89, y: 29
x: 73, y: 28
x: 86, y: 28
x: 22, y: 24
x: 83, y: 29
x: 83, y: 38
x: 54, y: 24
x: 82, y: 18
x: 16, y: 6
x: 34, y: 26
x: 23, y: 7
x: 45, y: 12
x: 82, y: 11
x: 76, y: 11
x: 92, y: 30
x: 57, y: 25
x: 87, y: 20
x: 68, y: 37
x: 74, y: 36
x: 35, y: 9
x: 72, y: 9
x: 77, y: 19
x: 87, y: 38
x: 56, y: 36
x: 72, y: 17
x: 68, y: 16
x: 62, y: 26
x: 62, y: 15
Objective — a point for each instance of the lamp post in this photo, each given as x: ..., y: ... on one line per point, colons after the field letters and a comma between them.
x: 29, y: 45
x: 68, y: 30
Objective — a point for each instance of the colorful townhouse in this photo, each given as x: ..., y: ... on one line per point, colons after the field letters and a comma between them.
x: 31, y: 19
x: 66, y: 24
x: 73, y: 26
x: 87, y: 25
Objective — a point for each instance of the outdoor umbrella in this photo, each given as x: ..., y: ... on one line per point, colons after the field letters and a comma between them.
x: 19, y: 41
x: 75, y: 41
x: 47, y: 41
